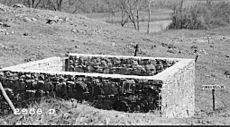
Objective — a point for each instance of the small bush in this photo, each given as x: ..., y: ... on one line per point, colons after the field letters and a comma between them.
x: 201, y: 16
x: 218, y: 22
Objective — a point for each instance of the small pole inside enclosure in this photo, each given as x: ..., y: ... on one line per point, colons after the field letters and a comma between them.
x: 136, y: 49
x: 213, y: 99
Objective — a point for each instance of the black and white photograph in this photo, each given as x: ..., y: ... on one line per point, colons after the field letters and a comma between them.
x: 115, y: 62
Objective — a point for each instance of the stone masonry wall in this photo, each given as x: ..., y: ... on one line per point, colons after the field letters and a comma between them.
x: 21, y: 86
x: 120, y: 83
x: 178, y: 91
x: 117, y: 65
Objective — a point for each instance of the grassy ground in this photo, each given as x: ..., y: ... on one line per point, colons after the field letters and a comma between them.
x: 33, y: 40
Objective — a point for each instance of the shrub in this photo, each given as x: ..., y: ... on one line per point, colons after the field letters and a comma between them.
x: 188, y: 19
x: 201, y: 16
x: 218, y: 22
x: 221, y: 11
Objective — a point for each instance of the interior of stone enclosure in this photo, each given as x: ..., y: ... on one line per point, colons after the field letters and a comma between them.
x: 141, y: 66
x: 106, y: 81
x: 83, y: 63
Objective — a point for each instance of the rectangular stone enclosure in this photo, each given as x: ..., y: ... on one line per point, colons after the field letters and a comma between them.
x: 123, y: 83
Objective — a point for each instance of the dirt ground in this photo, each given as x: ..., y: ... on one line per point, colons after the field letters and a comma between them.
x: 30, y: 37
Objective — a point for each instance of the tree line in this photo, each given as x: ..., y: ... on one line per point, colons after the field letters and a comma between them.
x: 129, y: 11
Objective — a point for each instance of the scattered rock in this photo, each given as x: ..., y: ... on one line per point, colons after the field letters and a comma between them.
x: 49, y: 21
x: 3, y: 46
x: 56, y: 18
x: 33, y: 19
x: 202, y: 50
x: 4, y: 24
x: 25, y: 34
x: 153, y: 46
x: 193, y: 47
x: 213, y: 75
x: 202, y: 41
x: 27, y: 59
x: 6, y: 33
x: 227, y: 73
x: 171, y: 51
x: 82, y: 17
x: 2, y: 30
x: 74, y: 30
x: 18, y: 6
x: 113, y: 44
x: 66, y: 19
x: 163, y: 44
x: 60, y: 20
x: 26, y: 19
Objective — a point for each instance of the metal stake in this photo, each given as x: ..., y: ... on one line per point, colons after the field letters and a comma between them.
x: 136, y: 49
x: 213, y: 99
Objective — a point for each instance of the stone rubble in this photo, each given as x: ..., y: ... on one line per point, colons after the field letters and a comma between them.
x: 57, y: 19
x: 18, y: 6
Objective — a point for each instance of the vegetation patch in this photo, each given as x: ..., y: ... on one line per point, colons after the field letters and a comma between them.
x: 200, y: 16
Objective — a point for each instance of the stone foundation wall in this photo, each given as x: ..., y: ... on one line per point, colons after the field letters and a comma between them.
x: 117, y: 65
x: 178, y: 90
x: 122, y: 83
x: 21, y: 86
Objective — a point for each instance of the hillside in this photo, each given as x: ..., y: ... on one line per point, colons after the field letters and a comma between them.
x: 29, y: 34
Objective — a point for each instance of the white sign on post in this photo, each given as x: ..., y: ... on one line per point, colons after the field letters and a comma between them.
x: 213, y: 86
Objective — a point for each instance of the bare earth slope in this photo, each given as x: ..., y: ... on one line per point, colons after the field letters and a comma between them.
x: 30, y: 37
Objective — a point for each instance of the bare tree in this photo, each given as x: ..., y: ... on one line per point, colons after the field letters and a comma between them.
x: 130, y: 13
x: 33, y: 3
x: 209, y: 2
x: 128, y: 8
x: 10, y: 2
x: 75, y: 5
x: 138, y: 21
x: 149, y: 14
x: 111, y: 8
x: 124, y: 17
x: 55, y: 5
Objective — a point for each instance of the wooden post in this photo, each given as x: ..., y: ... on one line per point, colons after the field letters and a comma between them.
x: 213, y: 99
x: 6, y: 97
x: 66, y: 62
x: 136, y: 49
x: 196, y: 58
